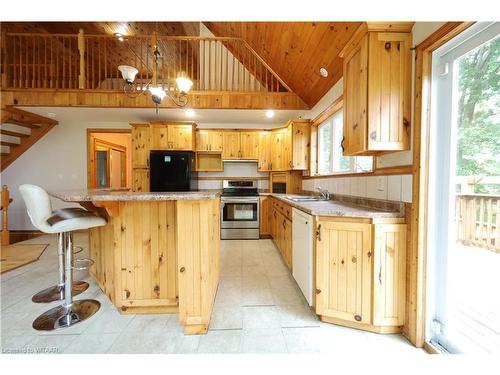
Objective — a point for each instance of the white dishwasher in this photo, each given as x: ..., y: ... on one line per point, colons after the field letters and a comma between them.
x: 302, y: 252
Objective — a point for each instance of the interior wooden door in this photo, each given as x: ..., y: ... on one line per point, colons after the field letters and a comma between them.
x: 389, y: 275
x: 343, y: 270
x: 355, y: 99
x: 231, y: 145
x: 249, y: 145
x: 180, y: 137
x: 141, y: 146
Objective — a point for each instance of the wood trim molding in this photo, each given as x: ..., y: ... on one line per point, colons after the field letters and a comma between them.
x: 386, y: 171
x: 328, y: 111
x: 415, y: 326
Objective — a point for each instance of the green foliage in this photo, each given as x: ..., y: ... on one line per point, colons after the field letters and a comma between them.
x: 478, y: 136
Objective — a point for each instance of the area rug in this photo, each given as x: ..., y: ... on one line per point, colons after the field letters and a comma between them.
x: 15, y: 256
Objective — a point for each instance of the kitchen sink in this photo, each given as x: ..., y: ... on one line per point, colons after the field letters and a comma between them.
x: 306, y: 199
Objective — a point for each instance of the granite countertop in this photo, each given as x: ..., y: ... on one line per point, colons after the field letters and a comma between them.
x: 102, y: 195
x: 341, y: 206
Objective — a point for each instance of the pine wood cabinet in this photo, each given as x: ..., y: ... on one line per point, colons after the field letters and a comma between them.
x: 172, y: 136
x: 361, y: 273
x: 209, y: 140
x: 231, y: 145
x: 290, y: 146
x: 281, y: 229
x: 264, y: 151
x: 265, y: 215
x: 377, y: 82
x: 140, y: 179
x: 141, y: 138
x: 278, y: 159
x: 249, y: 145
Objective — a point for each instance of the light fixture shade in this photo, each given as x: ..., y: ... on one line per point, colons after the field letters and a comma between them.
x: 128, y: 73
x: 157, y: 93
x: 184, y: 84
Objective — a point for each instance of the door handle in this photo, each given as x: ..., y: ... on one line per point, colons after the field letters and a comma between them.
x: 318, y: 232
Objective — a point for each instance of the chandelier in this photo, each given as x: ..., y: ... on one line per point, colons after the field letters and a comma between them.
x: 178, y: 95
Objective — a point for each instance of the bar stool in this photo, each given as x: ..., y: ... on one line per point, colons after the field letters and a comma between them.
x: 63, y: 223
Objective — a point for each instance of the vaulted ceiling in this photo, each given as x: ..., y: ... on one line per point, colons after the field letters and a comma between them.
x: 296, y: 50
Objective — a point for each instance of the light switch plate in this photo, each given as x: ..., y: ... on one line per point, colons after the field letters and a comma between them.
x: 380, y: 183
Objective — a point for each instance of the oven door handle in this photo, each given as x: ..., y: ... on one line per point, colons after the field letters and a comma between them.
x: 239, y: 201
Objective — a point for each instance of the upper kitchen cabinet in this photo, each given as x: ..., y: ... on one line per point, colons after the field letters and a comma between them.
x: 209, y: 140
x: 231, y: 145
x: 377, y: 81
x: 141, y: 138
x: 172, y: 136
x: 290, y: 146
x: 249, y: 144
x: 264, y: 151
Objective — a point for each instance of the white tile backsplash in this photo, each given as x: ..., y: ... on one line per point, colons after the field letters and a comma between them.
x: 394, y: 188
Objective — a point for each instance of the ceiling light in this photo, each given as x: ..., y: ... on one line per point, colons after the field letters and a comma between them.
x: 323, y: 72
x: 119, y: 36
x: 190, y: 112
x: 270, y: 113
x: 157, y: 94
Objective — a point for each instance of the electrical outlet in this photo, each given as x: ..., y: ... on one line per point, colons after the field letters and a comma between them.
x: 380, y: 183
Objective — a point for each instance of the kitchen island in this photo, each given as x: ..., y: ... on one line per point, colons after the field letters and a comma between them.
x: 159, y: 252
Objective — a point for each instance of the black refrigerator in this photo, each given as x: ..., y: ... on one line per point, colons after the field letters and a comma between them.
x: 172, y: 171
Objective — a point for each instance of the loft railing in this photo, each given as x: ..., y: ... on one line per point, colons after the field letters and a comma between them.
x: 477, y: 219
x: 90, y: 62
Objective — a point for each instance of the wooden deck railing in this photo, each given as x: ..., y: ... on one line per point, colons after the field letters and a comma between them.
x: 90, y: 62
x: 477, y: 219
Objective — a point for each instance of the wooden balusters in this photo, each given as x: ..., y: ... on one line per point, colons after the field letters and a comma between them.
x: 6, y: 200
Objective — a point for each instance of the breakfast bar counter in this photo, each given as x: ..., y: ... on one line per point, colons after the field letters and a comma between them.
x: 159, y: 252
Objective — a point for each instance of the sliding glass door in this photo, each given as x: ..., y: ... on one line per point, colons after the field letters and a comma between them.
x: 463, y: 234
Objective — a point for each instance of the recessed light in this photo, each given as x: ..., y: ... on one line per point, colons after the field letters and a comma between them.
x: 190, y: 112
x: 119, y: 36
x: 270, y: 113
x: 323, y: 72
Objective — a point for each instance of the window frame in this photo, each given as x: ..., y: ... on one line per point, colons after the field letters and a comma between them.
x: 322, y: 120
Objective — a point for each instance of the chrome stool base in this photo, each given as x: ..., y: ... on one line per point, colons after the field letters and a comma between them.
x: 56, y: 293
x: 62, y: 316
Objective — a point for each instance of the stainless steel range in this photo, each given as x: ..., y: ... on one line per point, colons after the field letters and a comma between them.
x: 239, y: 210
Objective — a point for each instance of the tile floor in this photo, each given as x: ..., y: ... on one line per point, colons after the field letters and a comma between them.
x: 258, y: 309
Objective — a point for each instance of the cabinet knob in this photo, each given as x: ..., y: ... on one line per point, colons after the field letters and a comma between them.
x: 318, y: 291
x: 182, y: 269
x: 387, y: 45
x: 357, y: 318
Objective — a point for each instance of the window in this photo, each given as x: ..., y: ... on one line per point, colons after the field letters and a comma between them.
x: 330, y: 152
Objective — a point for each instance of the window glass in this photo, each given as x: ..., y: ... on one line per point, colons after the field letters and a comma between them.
x: 330, y: 149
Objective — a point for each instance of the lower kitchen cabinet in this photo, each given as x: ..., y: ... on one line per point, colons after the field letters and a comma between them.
x: 361, y: 273
x: 281, y: 230
x: 265, y: 215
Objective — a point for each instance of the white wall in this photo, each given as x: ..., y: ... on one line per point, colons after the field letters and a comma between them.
x: 58, y: 161
x: 397, y: 188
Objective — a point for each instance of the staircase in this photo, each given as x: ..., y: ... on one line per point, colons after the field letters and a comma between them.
x: 19, y: 130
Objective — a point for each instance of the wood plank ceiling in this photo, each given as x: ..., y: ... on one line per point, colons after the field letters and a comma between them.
x: 296, y: 50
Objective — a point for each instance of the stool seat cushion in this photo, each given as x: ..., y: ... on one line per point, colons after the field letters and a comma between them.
x: 70, y: 219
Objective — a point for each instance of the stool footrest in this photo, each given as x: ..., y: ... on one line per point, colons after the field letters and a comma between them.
x: 87, y: 261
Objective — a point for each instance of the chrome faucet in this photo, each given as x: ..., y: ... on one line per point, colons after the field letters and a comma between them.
x: 325, y: 194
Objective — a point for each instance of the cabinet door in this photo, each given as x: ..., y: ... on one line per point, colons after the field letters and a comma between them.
x: 277, y: 150
x: 274, y: 225
x: 140, y: 146
x: 231, y: 145
x: 159, y: 137
x: 343, y: 270
x: 265, y: 215
x: 215, y: 140
x: 355, y: 99
x: 264, y: 164
x: 389, y: 274
x: 389, y: 81
x: 249, y: 145
x: 140, y: 179
x: 180, y: 137
x: 202, y: 140
x: 299, y: 146
x: 287, y: 243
